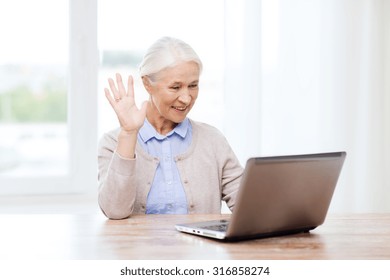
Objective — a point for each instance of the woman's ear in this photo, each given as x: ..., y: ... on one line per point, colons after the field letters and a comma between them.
x: 147, y: 84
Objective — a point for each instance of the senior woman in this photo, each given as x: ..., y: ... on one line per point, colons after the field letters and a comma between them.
x: 159, y: 161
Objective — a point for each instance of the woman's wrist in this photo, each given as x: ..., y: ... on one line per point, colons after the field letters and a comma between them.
x: 126, y: 143
x: 128, y: 133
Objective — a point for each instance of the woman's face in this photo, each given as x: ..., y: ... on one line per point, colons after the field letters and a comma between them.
x: 174, y: 92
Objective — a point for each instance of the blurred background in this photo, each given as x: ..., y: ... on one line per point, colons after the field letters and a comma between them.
x: 280, y: 77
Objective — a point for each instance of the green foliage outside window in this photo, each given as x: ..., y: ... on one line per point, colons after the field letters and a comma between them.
x: 21, y: 104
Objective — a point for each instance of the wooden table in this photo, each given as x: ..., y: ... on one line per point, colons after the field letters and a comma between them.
x: 358, y: 236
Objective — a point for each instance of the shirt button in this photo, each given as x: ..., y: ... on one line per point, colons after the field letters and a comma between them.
x: 169, y: 182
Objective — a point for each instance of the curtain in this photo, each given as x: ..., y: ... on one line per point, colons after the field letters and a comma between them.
x: 314, y: 77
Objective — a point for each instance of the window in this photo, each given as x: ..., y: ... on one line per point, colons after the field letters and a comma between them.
x: 47, y: 82
x: 33, y: 89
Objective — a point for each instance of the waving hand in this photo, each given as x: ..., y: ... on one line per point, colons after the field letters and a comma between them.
x: 130, y: 117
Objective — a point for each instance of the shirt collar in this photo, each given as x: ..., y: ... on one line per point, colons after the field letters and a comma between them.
x: 148, y: 132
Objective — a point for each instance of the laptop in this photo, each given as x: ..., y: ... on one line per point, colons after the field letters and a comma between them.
x: 277, y: 196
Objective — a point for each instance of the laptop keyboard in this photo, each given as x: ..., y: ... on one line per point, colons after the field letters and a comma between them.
x: 221, y: 227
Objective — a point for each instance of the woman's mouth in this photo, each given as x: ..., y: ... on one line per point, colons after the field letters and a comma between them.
x: 181, y: 109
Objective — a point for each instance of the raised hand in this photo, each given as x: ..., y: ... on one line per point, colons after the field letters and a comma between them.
x: 130, y: 117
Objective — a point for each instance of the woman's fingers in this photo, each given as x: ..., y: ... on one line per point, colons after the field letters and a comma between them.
x: 130, y: 86
x: 109, y: 97
x: 129, y: 115
x: 118, y: 90
x: 114, y: 89
x: 121, y: 88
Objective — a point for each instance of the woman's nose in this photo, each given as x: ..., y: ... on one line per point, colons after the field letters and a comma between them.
x: 185, y: 97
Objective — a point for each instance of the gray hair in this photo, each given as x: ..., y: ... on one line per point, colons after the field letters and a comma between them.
x: 167, y: 52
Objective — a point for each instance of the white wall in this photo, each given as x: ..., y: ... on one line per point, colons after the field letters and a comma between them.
x: 320, y: 84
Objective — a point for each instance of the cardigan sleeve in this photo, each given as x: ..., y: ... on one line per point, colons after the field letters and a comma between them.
x: 117, y: 182
x: 231, y: 174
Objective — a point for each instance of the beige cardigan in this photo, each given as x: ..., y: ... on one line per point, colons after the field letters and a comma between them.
x: 209, y: 172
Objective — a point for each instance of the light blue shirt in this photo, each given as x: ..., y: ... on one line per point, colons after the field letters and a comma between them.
x: 166, y: 194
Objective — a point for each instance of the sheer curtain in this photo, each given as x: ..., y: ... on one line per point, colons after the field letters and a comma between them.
x: 313, y: 76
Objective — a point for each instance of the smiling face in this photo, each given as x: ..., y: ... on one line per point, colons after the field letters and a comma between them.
x: 172, y: 95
